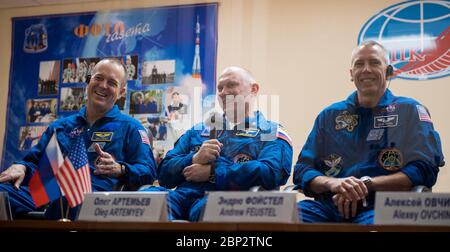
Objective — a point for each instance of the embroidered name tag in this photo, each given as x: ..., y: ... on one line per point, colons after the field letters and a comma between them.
x: 248, y: 133
x: 92, y: 149
x: 102, y: 136
x: 375, y: 135
x: 385, y: 121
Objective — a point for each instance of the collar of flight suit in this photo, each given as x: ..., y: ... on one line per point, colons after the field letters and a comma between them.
x: 257, y: 120
x: 112, y: 113
x: 385, y: 100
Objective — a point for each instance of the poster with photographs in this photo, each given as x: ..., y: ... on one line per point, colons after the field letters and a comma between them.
x: 168, y: 54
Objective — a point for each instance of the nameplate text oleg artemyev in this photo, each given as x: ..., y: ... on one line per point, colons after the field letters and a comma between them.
x: 124, y: 206
x: 409, y: 208
x: 251, y: 207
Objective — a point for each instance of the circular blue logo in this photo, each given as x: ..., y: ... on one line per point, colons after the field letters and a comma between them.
x: 417, y: 35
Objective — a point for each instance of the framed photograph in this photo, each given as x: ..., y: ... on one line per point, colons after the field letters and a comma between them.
x: 41, y: 110
x: 29, y: 136
x: 48, y: 77
x: 158, y: 72
x: 72, y: 98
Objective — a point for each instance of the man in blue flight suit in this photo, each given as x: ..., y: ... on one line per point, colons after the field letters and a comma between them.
x: 28, y: 141
x: 139, y: 105
x: 118, y: 149
x: 32, y: 113
x: 373, y: 141
x: 235, y: 151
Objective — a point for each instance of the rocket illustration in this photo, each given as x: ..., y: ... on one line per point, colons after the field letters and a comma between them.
x: 196, y: 64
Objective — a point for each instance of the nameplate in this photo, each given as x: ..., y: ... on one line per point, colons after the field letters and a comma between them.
x: 251, y: 207
x: 5, y: 209
x: 408, y: 208
x: 124, y: 206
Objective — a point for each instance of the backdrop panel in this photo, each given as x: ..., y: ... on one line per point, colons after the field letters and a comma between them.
x: 169, y: 53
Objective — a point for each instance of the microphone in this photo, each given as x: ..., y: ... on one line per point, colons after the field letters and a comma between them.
x: 389, y: 84
x: 213, y: 131
x: 213, y: 120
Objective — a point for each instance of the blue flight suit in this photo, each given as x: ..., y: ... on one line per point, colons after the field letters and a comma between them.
x: 253, y: 156
x: 151, y: 107
x: 349, y: 140
x: 139, y: 108
x: 125, y: 144
x: 162, y: 130
x: 45, y: 111
x: 31, y: 114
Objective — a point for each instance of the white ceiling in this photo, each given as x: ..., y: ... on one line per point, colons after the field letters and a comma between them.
x: 30, y: 3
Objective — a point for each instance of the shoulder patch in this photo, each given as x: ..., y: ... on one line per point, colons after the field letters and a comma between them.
x: 144, y: 137
x: 282, y: 134
x: 423, y: 113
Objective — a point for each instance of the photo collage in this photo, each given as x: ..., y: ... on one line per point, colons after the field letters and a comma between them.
x: 152, y: 97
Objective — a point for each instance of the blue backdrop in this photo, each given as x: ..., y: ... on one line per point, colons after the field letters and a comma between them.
x: 52, y: 56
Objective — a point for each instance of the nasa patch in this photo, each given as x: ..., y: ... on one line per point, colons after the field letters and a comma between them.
x: 76, y: 132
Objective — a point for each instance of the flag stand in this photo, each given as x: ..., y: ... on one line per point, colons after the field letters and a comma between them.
x: 63, y: 219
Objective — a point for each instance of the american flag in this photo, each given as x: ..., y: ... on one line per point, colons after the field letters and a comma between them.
x: 423, y: 114
x: 144, y: 136
x: 74, y: 176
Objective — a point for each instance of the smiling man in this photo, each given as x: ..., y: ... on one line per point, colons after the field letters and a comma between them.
x: 373, y: 141
x: 235, y: 151
x: 117, y: 145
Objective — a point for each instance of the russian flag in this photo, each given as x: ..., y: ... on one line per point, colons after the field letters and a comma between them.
x: 43, y: 185
x: 281, y: 133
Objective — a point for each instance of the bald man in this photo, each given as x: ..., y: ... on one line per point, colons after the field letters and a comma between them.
x: 373, y: 141
x: 233, y: 151
x: 121, y: 157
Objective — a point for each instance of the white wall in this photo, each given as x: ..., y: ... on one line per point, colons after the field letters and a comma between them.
x: 297, y: 49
